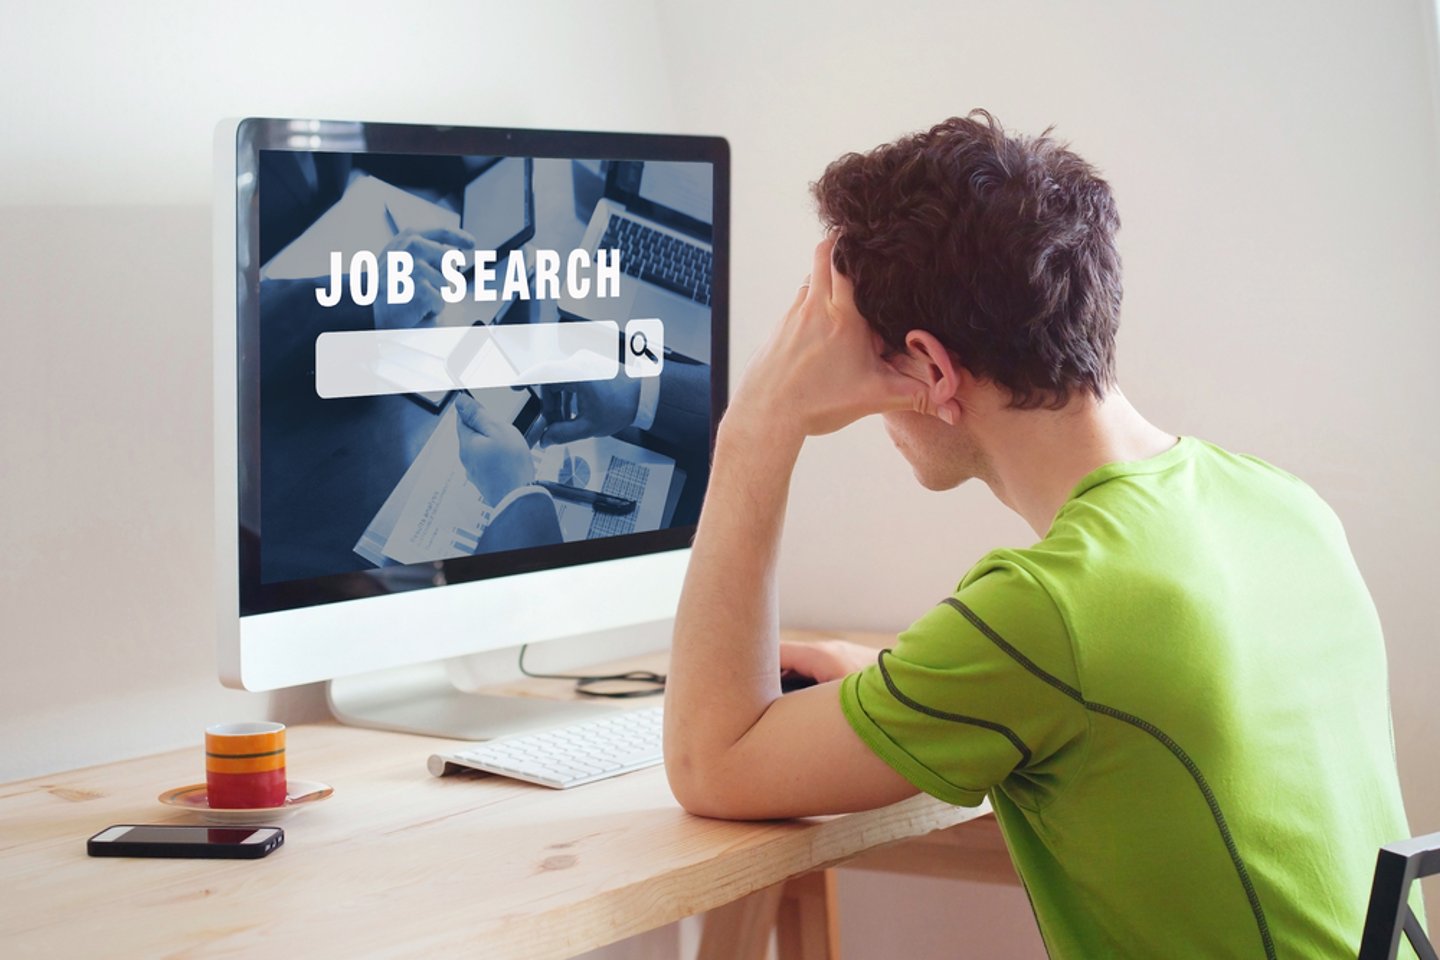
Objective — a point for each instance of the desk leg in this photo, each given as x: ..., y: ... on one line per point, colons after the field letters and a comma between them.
x: 741, y: 930
x: 801, y: 911
x: 808, y: 927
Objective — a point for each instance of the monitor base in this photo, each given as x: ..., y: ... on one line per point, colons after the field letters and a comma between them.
x: 423, y: 699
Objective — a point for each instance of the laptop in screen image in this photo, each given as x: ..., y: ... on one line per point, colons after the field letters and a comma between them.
x: 659, y: 215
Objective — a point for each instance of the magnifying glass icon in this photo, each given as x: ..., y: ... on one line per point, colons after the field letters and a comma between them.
x: 640, y: 346
x: 644, y: 347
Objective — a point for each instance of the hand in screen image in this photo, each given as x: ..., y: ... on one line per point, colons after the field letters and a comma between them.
x: 496, y: 457
x: 426, y: 247
x: 497, y: 461
x: 678, y: 408
x: 593, y: 408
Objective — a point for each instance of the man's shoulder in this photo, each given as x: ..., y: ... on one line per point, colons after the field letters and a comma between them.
x: 1000, y: 611
x: 1144, y: 520
x: 1197, y: 473
x: 1038, y: 575
x: 1011, y: 576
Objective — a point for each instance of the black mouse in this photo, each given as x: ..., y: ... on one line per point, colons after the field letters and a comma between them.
x: 791, y: 680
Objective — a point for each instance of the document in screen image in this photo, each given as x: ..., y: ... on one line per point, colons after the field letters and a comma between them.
x: 339, y: 485
x: 436, y: 513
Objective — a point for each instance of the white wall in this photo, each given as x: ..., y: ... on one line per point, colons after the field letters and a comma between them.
x: 106, y: 593
x: 1276, y: 167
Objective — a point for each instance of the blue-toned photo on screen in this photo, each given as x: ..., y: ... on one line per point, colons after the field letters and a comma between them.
x: 524, y: 350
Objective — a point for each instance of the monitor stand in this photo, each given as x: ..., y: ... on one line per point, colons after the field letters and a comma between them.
x: 425, y: 699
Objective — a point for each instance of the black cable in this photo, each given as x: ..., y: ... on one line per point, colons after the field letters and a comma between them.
x: 583, y: 682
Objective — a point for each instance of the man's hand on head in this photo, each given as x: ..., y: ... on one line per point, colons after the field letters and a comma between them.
x: 823, y: 366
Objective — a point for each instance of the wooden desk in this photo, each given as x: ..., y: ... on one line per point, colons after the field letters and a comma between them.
x: 398, y: 863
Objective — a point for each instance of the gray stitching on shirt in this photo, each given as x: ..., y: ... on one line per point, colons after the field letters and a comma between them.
x: 1158, y: 734
x: 1005, y: 731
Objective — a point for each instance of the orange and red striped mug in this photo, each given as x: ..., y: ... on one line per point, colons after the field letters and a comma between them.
x: 245, y: 765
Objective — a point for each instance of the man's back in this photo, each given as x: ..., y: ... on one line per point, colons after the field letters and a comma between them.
x: 1179, y: 699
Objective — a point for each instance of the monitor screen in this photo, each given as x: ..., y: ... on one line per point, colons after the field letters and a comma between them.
x: 467, y: 387
x: 463, y: 354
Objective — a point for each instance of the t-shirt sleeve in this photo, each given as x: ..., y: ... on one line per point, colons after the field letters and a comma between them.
x: 979, y: 690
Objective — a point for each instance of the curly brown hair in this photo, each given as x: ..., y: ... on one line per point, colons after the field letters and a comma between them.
x: 1001, y: 246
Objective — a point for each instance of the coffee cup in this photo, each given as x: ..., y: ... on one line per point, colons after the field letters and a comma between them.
x: 245, y: 765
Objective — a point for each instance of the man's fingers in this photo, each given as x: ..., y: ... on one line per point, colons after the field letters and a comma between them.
x: 825, y: 661
x: 428, y: 300
x: 450, y: 238
x: 553, y: 403
x: 465, y: 410
x: 425, y: 250
x: 800, y: 295
x: 797, y: 657
x: 888, y: 389
x: 820, y: 270
x: 476, y: 417
x: 428, y: 272
x: 568, y: 431
x: 842, y: 289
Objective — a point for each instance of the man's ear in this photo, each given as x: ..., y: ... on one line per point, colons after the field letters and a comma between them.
x: 927, y: 360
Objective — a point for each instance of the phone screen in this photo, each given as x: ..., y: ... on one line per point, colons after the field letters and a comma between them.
x: 186, y: 835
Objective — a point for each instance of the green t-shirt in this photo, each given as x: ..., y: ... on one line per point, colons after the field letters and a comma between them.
x: 1177, y: 703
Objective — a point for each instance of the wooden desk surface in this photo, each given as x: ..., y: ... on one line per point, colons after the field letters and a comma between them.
x: 398, y: 863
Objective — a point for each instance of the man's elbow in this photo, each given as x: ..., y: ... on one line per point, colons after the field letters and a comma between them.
x: 700, y: 788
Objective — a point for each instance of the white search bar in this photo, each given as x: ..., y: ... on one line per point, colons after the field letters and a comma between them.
x: 367, y: 363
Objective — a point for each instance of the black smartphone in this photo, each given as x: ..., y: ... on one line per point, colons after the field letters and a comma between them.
x: 172, y: 840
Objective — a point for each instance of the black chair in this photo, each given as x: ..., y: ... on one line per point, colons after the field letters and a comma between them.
x: 1397, y: 866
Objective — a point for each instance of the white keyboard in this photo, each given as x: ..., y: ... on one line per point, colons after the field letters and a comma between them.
x: 568, y: 756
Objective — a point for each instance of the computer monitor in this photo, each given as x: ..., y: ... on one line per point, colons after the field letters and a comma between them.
x: 467, y: 384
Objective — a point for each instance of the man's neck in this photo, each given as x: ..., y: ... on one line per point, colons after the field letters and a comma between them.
x: 1035, y: 458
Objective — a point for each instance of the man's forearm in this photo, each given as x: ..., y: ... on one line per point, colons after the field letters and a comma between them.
x: 724, y: 663
x: 823, y: 368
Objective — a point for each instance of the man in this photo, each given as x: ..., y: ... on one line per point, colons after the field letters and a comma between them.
x: 1175, y: 700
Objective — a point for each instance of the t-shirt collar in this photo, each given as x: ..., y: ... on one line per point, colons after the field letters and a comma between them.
x: 1182, y: 450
